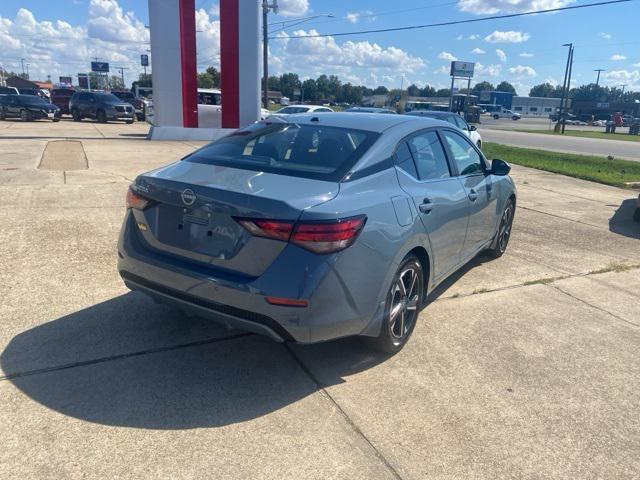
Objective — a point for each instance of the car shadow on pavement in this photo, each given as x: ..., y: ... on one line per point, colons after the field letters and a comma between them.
x: 622, y: 221
x: 128, y: 362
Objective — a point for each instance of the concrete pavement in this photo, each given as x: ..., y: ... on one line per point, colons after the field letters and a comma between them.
x: 585, y: 146
x: 523, y: 367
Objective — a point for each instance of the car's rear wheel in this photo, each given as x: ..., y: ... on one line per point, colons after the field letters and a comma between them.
x: 101, y: 117
x: 25, y: 116
x: 129, y: 122
x: 479, y: 144
x: 76, y: 115
x: 499, y: 245
x: 402, y: 307
x: 3, y: 115
x: 496, y: 117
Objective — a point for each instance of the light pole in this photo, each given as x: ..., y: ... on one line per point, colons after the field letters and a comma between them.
x: 266, y: 7
x: 561, y: 114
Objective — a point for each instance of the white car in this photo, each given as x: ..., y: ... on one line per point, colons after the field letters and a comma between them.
x: 210, y: 108
x: 290, y: 109
x: 469, y: 130
x: 505, y: 113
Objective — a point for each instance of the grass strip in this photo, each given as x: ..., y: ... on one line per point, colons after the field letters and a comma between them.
x: 589, y: 134
x: 619, y: 173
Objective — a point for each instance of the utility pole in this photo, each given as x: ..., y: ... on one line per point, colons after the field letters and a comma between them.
x: 598, y: 78
x: 564, y: 88
x: 266, y: 6
x: 622, y: 94
x: 122, y: 69
x: 22, y: 63
x: 27, y: 71
x: 566, y: 104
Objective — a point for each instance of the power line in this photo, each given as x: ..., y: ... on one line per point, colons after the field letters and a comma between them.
x: 454, y: 22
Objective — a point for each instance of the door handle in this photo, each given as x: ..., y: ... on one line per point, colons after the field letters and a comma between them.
x: 473, y: 195
x: 426, y: 206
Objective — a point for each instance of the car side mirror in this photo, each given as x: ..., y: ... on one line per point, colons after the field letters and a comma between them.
x: 500, y: 167
x: 472, y: 128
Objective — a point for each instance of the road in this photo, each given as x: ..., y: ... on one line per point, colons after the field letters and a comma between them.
x: 585, y: 146
x: 523, y: 367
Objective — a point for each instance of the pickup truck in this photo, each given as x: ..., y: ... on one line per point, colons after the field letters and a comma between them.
x: 505, y: 113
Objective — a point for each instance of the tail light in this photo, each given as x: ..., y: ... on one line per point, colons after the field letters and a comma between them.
x: 134, y: 200
x: 318, y: 237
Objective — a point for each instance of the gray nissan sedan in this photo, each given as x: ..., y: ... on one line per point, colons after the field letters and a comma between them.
x: 314, y: 227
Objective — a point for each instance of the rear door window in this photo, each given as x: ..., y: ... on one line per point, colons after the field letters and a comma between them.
x: 430, y: 159
x: 310, y: 151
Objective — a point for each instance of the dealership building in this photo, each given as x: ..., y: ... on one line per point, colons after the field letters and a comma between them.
x: 535, y: 106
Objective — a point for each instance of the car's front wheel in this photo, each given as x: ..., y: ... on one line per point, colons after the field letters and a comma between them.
x: 499, y: 245
x: 101, y: 117
x: 3, y: 115
x: 76, y: 115
x: 496, y: 117
x: 25, y: 116
x: 402, y: 306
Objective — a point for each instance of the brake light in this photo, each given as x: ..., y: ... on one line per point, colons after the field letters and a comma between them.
x: 287, y: 302
x: 136, y: 201
x: 328, y: 237
x: 267, y: 228
x: 318, y: 237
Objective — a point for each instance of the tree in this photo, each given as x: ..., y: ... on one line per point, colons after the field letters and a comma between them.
x: 289, y: 82
x: 589, y: 93
x: 482, y: 87
x: 144, y: 80
x: 545, y: 90
x: 428, y: 91
x: 274, y: 83
x: 443, y: 92
x: 310, y: 90
x: 413, y: 90
x: 215, y: 76
x: 505, y: 86
x: 115, y: 83
x: 381, y: 90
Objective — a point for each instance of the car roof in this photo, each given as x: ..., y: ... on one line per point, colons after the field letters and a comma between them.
x: 430, y: 113
x: 209, y: 90
x: 373, y: 122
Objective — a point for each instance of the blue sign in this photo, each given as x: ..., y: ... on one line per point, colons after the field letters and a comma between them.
x: 144, y: 60
x: 101, y: 67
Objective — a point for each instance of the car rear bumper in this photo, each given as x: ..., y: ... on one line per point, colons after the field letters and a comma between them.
x: 336, y: 308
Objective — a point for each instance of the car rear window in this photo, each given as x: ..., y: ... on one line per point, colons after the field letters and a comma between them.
x: 309, y: 151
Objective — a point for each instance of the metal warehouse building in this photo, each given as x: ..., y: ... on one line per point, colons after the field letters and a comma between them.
x: 535, y: 106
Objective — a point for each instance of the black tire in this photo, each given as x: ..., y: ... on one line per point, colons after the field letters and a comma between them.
x: 501, y: 240
x: 25, y: 116
x: 3, y: 116
x: 479, y: 144
x: 496, y: 117
x: 636, y: 215
x: 101, y: 117
x: 402, y: 307
x: 129, y: 122
x: 55, y: 120
x: 76, y: 115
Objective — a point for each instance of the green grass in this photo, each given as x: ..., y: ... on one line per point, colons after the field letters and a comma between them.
x: 589, y: 134
x: 596, y: 169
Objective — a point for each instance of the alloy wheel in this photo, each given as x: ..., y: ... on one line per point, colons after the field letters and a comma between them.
x: 505, y: 228
x: 405, y: 295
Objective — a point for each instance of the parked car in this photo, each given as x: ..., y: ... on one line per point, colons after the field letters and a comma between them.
x: 311, y: 227
x: 291, y: 109
x: 209, y: 107
x: 9, y: 91
x: 469, y: 130
x: 505, y: 113
x: 599, y: 123
x: 60, y: 97
x: 27, y: 108
x: 369, y: 110
x: 100, y: 106
x: 627, y: 120
x: 554, y: 117
x: 129, y: 97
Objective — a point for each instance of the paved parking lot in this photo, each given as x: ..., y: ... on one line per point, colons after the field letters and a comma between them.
x: 522, y: 367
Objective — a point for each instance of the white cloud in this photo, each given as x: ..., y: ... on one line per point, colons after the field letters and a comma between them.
x: 474, y: 36
x: 501, y: 55
x: 478, y: 51
x: 510, y: 36
x: 523, y: 71
x: 108, y: 22
x: 324, y: 55
x: 354, y: 17
x: 493, y: 70
x: 492, y: 7
x: 447, y: 56
x: 617, y: 57
x: 526, y: 55
x: 293, y: 8
x: 636, y: 64
x: 443, y: 70
x: 623, y: 75
x: 606, y: 36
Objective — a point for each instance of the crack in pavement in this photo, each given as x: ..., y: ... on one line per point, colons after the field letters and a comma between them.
x: 604, y: 310
x: 140, y: 353
x: 323, y: 391
x: 564, y: 218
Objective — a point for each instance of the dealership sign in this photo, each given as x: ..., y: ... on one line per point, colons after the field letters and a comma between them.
x: 462, y: 69
x: 83, y: 80
x: 66, y: 80
x: 100, y: 67
x: 144, y: 60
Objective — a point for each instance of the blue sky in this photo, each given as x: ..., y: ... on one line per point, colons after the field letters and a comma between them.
x: 59, y: 37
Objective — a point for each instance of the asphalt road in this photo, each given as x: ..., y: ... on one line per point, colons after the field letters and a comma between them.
x: 524, y: 367
x: 587, y: 146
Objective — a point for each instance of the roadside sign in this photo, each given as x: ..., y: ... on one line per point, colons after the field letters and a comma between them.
x: 66, y: 80
x: 101, y: 67
x: 462, y: 69
x: 83, y: 80
x: 144, y: 60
